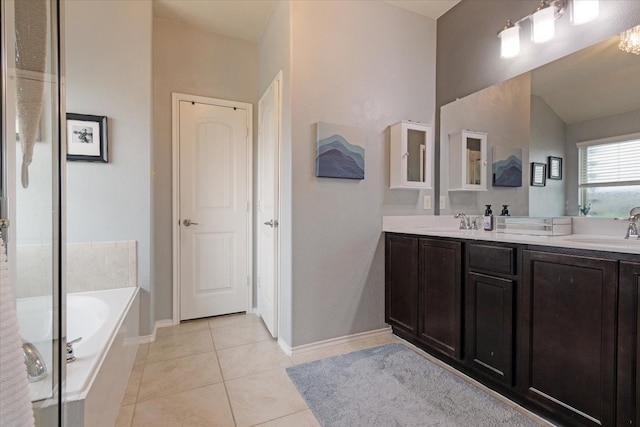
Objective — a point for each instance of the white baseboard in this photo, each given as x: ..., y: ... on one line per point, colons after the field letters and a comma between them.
x: 144, y: 339
x: 319, y: 345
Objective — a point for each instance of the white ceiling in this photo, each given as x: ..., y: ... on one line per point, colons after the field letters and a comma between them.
x: 245, y: 19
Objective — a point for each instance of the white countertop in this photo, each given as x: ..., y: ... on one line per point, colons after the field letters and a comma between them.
x: 447, y: 226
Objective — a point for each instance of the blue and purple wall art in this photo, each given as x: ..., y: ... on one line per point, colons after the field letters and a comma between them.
x: 507, y: 167
x: 339, y: 151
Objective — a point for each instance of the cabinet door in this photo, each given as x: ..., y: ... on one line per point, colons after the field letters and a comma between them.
x: 490, y: 326
x: 567, y: 320
x: 401, y: 282
x: 440, y: 296
x: 628, y: 345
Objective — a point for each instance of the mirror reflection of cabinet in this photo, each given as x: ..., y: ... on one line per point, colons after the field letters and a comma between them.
x: 411, y: 156
x: 468, y: 161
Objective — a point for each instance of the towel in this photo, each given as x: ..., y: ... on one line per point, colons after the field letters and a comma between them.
x: 31, y: 51
x: 15, y: 402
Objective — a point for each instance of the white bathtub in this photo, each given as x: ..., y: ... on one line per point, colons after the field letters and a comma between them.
x: 104, y: 320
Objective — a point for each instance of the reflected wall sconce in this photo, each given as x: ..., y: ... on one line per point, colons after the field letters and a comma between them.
x: 543, y: 23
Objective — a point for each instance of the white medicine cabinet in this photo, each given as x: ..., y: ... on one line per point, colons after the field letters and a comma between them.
x: 411, y: 156
x: 468, y: 161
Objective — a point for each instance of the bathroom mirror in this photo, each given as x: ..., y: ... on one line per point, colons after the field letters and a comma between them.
x: 589, y: 95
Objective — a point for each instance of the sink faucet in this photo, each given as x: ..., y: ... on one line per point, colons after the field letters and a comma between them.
x: 465, y: 224
x: 36, y: 368
x: 632, y: 229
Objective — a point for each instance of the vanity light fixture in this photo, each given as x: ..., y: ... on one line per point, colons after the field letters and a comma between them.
x: 543, y: 23
x: 630, y: 40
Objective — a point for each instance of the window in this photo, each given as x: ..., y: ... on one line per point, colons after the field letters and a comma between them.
x: 609, y: 175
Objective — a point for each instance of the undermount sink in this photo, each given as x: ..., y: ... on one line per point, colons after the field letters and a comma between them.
x: 604, y: 240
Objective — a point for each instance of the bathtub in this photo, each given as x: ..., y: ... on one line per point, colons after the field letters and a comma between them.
x: 107, y: 322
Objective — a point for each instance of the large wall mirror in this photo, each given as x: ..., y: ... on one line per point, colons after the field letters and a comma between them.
x: 586, y: 98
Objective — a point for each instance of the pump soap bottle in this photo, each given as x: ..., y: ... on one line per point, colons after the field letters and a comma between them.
x: 487, y: 219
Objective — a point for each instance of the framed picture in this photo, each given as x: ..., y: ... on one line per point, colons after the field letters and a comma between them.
x: 538, y: 174
x: 87, y: 138
x: 555, y: 167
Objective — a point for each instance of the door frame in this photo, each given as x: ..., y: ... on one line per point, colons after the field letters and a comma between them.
x: 176, y: 98
x: 278, y: 144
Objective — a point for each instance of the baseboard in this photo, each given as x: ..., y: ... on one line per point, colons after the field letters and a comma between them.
x: 319, y: 345
x: 144, y: 339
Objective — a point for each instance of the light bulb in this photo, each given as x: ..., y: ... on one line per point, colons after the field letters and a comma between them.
x: 542, y: 24
x: 509, y: 40
x: 583, y: 11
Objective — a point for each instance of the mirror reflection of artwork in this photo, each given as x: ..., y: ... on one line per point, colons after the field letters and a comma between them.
x: 339, y: 151
x: 507, y: 167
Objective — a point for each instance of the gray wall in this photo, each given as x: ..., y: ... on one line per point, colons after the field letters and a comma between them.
x: 468, y: 50
x: 108, y: 71
x: 357, y: 63
x: 548, y: 136
x: 485, y: 111
x: 194, y: 62
x: 274, y: 56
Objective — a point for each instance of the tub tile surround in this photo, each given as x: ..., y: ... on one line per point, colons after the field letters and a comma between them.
x: 245, y: 383
x: 91, y: 266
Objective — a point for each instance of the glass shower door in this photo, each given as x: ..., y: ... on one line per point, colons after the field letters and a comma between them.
x: 31, y: 177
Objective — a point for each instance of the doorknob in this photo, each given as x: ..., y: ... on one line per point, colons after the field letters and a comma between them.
x: 187, y: 223
x: 272, y: 223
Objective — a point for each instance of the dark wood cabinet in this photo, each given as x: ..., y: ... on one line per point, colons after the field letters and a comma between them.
x: 440, y: 296
x: 489, y: 331
x: 628, y: 400
x: 401, y: 283
x: 566, y: 330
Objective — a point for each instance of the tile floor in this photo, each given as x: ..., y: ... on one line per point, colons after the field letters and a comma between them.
x: 224, y: 371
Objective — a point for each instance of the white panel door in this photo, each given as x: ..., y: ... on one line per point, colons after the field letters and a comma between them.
x: 214, y: 214
x: 268, y: 170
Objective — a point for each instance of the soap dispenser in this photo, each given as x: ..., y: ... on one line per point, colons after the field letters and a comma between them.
x: 487, y: 219
x: 505, y: 210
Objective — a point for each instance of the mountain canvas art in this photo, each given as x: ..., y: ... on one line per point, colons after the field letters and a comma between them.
x: 507, y: 167
x: 339, y: 151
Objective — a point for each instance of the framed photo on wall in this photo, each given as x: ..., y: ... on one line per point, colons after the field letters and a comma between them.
x: 87, y: 138
x: 555, y: 167
x: 538, y: 174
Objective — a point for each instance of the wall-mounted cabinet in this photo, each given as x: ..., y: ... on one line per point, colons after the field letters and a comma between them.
x: 468, y: 161
x: 411, y: 156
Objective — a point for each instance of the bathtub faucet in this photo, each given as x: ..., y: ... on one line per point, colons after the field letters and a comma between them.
x: 70, y: 356
x: 36, y: 368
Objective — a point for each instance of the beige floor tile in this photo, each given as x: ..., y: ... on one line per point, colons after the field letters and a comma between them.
x: 232, y: 319
x: 184, y: 327
x: 125, y: 416
x: 372, y: 342
x: 179, y: 374
x: 239, y: 334
x: 205, y: 406
x: 133, y: 385
x: 250, y: 359
x: 179, y: 345
x: 311, y: 356
x: 264, y: 397
x: 301, y: 419
x: 141, y: 354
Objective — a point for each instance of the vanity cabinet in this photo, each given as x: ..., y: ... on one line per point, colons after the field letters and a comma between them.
x: 411, y: 156
x: 401, y: 283
x: 566, y: 336
x: 468, y: 161
x: 423, y: 291
x: 440, y: 296
x: 489, y: 310
x: 628, y: 400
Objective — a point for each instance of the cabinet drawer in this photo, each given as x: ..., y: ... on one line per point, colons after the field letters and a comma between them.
x: 497, y: 259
